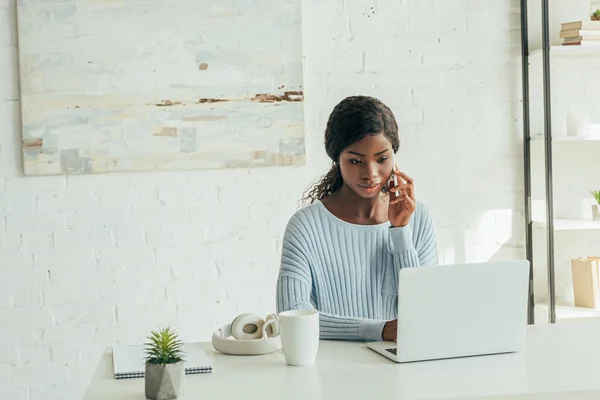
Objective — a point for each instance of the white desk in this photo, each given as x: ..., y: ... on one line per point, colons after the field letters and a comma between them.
x: 562, y: 359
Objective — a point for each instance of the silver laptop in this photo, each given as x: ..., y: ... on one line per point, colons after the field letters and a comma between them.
x: 461, y: 310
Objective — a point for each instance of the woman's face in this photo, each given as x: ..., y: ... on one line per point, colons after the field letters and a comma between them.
x: 366, y: 165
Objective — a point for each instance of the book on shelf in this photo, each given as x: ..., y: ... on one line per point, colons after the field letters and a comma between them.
x: 588, y: 34
x: 580, y: 33
x: 582, y: 43
x: 580, y: 25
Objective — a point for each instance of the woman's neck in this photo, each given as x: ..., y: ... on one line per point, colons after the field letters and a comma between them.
x: 354, y: 208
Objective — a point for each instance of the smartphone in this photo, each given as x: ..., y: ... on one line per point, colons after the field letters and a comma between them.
x: 394, y: 179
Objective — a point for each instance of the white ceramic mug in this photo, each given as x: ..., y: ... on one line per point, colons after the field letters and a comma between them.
x: 299, y: 331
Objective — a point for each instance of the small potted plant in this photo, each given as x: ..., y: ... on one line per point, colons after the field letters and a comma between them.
x: 596, y: 207
x: 595, y: 15
x: 164, y: 369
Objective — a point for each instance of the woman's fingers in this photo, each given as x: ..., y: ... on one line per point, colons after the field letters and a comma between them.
x: 397, y: 199
x: 403, y: 198
x: 406, y: 178
x: 403, y: 189
x: 400, y: 188
x: 408, y: 185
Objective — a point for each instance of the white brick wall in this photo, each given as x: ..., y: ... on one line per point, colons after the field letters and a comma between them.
x: 89, y: 260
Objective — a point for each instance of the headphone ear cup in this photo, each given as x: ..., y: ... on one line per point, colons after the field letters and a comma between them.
x: 247, y: 327
x: 272, y: 329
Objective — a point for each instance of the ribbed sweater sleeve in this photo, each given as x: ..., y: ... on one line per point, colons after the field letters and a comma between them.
x: 409, y: 252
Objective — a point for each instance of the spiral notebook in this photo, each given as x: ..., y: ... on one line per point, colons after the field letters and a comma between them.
x: 128, y: 360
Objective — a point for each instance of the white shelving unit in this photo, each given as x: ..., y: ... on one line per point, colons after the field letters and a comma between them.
x: 564, y: 312
x: 569, y: 225
x: 567, y: 138
x: 569, y: 51
x: 575, y: 171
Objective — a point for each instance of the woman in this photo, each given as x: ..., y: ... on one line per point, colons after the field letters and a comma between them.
x: 341, y: 254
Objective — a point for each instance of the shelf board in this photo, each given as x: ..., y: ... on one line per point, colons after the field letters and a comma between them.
x: 569, y: 225
x: 570, y: 51
x: 566, y: 311
x: 566, y: 138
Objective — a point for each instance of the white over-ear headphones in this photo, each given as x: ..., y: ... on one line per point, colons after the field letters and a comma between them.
x: 244, y: 336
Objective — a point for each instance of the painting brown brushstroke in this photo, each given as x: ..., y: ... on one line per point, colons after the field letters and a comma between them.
x: 211, y: 100
x: 28, y: 144
x: 292, y: 96
x: 289, y: 96
x: 168, y: 103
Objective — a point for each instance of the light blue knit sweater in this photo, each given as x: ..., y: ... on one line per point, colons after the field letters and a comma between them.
x: 349, y: 272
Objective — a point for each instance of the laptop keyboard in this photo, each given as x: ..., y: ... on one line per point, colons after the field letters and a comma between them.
x: 392, y: 350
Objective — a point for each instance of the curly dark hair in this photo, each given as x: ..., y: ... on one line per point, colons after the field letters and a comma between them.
x: 351, y: 120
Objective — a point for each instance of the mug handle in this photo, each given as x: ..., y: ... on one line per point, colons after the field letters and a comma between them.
x: 275, y: 320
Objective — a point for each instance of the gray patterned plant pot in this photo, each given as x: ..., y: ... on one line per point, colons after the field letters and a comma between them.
x: 164, y: 382
x: 596, y: 212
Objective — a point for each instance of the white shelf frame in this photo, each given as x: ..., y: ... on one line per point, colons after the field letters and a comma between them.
x: 569, y: 51
x: 566, y: 138
x: 565, y: 311
x: 569, y: 225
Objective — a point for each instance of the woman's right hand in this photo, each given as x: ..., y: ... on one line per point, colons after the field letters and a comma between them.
x: 390, y: 331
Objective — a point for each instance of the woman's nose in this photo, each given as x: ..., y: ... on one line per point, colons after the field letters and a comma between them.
x: 370, y: 171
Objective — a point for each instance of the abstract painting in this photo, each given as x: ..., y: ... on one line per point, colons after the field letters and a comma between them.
x: 140, y: 85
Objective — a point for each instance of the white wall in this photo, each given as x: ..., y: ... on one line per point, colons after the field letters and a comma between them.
x: 89, y: 260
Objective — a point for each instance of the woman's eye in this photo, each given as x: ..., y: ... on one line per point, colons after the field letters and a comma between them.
x: 382, y: 159
x: 355, y: 161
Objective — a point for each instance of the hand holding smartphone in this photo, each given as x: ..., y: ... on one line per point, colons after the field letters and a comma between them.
x: 403, y: 204
x: 393, y: 181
